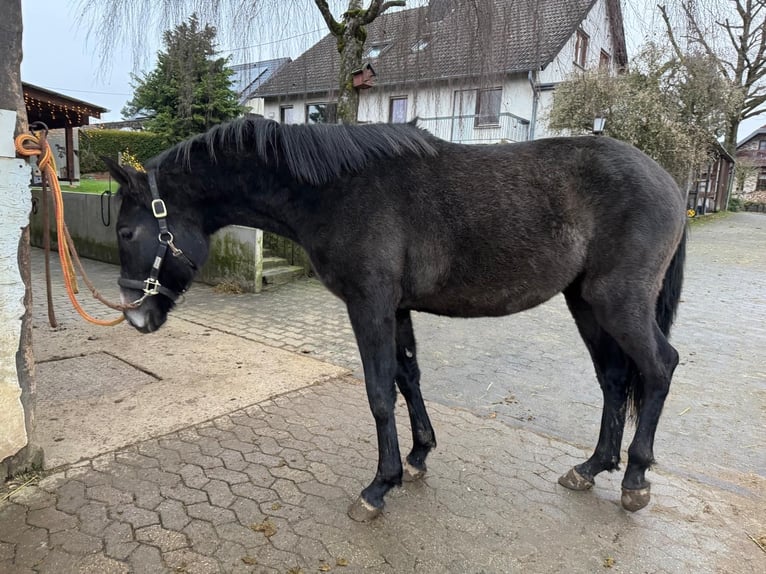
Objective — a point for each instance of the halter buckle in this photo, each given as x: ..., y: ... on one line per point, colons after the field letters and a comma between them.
x: 151, y: 286
x: 159, y: 209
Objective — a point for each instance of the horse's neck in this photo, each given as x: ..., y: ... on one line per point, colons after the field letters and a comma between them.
x: 255, y: 205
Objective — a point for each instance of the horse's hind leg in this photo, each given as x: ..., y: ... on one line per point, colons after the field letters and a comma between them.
x: 630, y: 319
x: 408, y: 380
x: 613, y: 369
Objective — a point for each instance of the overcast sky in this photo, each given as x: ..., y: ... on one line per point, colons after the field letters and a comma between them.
x: 58, y: 54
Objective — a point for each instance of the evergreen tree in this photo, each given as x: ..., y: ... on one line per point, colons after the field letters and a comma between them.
x: 190, y: 90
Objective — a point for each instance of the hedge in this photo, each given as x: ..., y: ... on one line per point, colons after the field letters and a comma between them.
x: 96, y: 142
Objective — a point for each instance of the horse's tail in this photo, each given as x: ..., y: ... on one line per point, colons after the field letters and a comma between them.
x: 665, y: 313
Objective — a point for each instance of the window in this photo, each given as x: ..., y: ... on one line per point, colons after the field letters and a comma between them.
x: 488, y: 107
x: 375, y: 51
x: 604, y: 60
x: 762, y: 145
x: 761, y: 185
x: 581, y: 49
x: 323, y: 113
x: 397, y: 111
x: 287, y: 115
x: 419, y: 46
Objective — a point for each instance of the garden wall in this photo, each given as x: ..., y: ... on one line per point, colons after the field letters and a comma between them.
x: 236, y: 253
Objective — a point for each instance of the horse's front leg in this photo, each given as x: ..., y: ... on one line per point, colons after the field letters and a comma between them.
x: 375, y: 329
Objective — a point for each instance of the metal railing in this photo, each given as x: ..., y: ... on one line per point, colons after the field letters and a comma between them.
x: 471, y: 129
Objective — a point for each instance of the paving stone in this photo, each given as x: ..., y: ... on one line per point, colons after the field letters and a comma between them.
x: 193, y: 476
x: 165, y: 540
x: 210, y: 513
x: 118, y: 537
x: 135, y: 516
x: 93, y: 518
x: 227, y: 475
x: 184, y: 494
x: 99, y: 564
x: 173, y: 514
x: 108, y: 494
x: 51, y: 519
x: 70, y: 497
x: 32, y: 547
x: 191, y: 562
x: 219, y: 493
x: 7, y: 551
x: 77, y: 543
x: 57, y: 562
x: 32, y: 497
x: 202, y: 536
x: 12, y: 522
x: 146, y: 560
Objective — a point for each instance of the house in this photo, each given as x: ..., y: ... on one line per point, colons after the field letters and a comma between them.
x: 248, y: 78
x: 63, y: 115
x: 465, y: 86
x: 710, y: 191
x: 751, y: 167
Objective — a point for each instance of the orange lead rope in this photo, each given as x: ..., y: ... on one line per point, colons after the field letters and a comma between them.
x: 29, y: 145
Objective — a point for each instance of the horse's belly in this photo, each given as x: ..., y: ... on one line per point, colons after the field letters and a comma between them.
x: 488, y: 302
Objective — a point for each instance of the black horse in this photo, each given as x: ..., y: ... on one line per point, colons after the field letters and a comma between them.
x: 395, y: 220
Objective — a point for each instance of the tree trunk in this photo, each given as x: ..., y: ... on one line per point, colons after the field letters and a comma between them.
x: 17, y: 389
x: 351, y: 49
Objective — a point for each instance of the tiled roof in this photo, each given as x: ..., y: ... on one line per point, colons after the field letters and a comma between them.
x: 760, y: 131
x: 516, y: 36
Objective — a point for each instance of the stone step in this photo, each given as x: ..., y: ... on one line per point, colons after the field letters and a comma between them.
x: 281, y: 275
x: 272, y: 262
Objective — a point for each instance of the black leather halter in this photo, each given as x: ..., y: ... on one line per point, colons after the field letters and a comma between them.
x: 151, y: 285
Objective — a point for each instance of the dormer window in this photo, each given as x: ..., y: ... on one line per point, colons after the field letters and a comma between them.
x: 420, y: 45
x: 375, y: 51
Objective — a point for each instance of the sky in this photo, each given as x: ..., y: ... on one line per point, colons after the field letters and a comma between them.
x: 60, y: 56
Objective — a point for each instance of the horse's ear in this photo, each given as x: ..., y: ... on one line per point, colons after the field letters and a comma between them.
x: 121, y: 174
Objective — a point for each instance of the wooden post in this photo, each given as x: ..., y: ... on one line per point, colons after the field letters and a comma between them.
x: 17, y: 390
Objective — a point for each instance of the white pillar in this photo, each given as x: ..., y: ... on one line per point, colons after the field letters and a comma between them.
x: 15, y: 204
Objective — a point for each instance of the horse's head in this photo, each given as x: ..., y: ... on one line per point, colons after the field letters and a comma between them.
x: 161, y: 245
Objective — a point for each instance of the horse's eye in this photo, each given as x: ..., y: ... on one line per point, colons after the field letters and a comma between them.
x: 125, y: 234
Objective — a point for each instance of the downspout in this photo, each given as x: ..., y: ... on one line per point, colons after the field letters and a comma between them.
x: 535, y: 97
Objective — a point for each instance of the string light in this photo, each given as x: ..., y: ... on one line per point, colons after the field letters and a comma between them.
x: 66, y: 111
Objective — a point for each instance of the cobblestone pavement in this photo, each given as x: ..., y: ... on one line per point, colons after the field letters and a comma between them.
x: 265, y: 488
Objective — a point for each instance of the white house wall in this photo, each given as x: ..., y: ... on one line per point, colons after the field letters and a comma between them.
x: 596, y: 26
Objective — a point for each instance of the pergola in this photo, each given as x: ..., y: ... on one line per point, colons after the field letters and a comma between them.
x: 60, y: 111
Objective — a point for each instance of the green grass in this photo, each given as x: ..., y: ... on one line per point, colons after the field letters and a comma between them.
x: 98, y: 186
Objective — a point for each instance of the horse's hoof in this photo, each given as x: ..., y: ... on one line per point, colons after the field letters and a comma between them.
x: 362, y: 511
x: 412, y: 473
x: 573, y: 480
x: 635, y: 499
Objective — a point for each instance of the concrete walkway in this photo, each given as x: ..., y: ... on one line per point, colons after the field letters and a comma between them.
x: 234, y: 439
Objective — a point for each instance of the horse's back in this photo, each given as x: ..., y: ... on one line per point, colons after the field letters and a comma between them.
x: 499, y: 229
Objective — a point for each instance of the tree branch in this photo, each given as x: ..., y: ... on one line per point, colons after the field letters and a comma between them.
x: 671, y: 34
x: 377, y: 7
x: 336, y: 29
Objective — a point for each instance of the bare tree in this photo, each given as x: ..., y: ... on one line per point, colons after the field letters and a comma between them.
x: 733, y: 35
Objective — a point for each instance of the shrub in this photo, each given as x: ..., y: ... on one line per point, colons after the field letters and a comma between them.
x: 95, y: 143
x: 736, y: 203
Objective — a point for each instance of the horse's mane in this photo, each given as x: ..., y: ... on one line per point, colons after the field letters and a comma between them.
x: 313, y: 154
